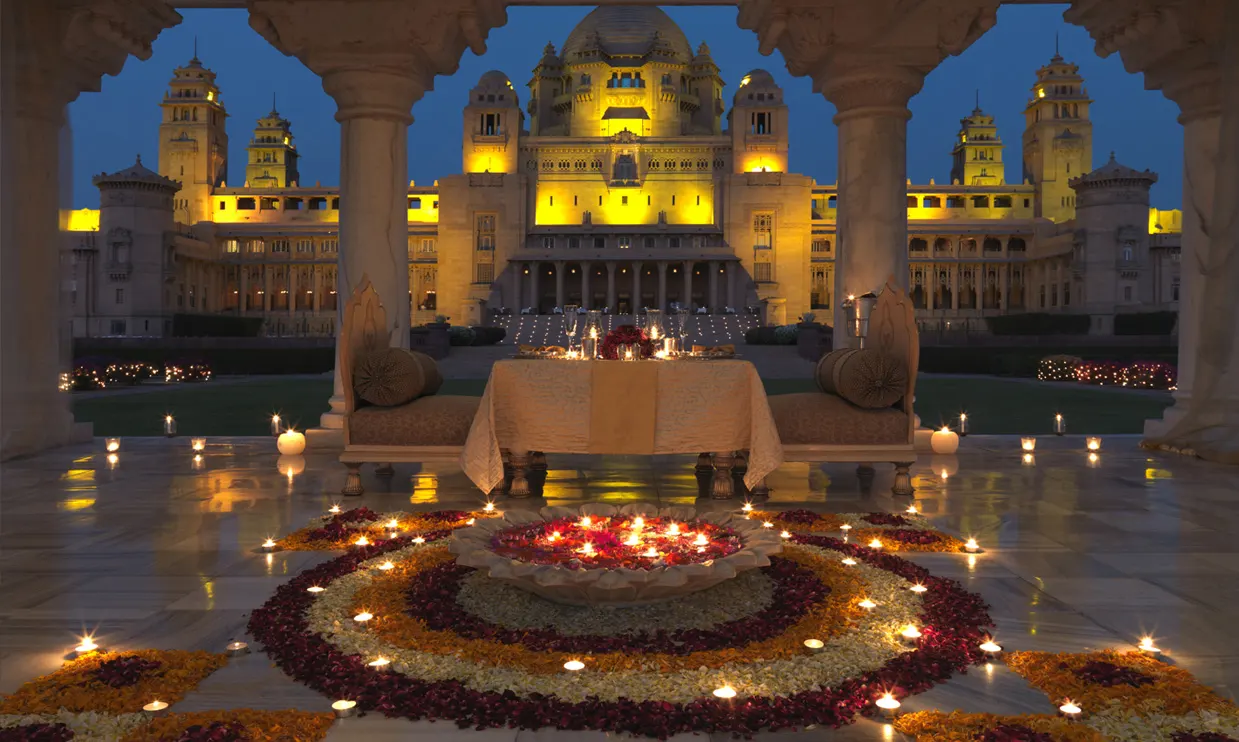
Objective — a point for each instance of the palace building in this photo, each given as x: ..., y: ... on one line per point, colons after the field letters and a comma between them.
x: 624, y: 180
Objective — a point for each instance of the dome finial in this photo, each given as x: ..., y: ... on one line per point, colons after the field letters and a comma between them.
x: 139, y: 159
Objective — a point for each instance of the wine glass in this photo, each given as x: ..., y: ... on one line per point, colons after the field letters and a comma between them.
x: 681, y: 326
x: 570, y: 320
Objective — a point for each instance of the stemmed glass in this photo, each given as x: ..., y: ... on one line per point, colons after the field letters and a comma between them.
x: 681, y: 326
x: 570, y: 320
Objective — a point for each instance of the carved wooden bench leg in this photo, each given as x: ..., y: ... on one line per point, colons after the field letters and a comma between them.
x: 865, y: 474
x: 741, y: 464
x: 352, y: 483
x: 903, y: 479
x: 705, y: 463
x: 537, y: 461
x: 724, y: 488
x: 520, y: 483
x: 502, y: 487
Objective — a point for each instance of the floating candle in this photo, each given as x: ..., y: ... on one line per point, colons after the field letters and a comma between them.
x: 154, y: 706
x: 725, y: 692
x: 867, y: 604
x: 574, y: 665
x: 315, y: 589
x: 918, y: 588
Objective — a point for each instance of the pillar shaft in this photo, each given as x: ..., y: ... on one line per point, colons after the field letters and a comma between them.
x: 636, y: 287
x: 559, y: 284
x: 662, y: 285
x: 712, y: 297
x: 687, y: 301
x: 611, y: 297
x: 585, y: 269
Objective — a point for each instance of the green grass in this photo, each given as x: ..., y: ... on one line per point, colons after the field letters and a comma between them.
x: 999, y: 406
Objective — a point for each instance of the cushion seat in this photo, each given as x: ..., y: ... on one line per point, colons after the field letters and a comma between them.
x: 817, y: 418
x: 439, y: 420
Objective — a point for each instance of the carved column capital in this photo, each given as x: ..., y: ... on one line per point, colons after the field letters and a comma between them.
x: 1176, y: 45
x: 65, y: 47
x: 377, y: 57
x: 869, y: 90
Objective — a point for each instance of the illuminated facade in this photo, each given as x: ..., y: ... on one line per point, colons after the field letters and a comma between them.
x: 625, y: 182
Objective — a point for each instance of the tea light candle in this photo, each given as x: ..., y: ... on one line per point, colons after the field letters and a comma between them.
x: 1060, y: 425
x: 1147, y: 646
x: 875, y: 544
x: 972, y: 547
x: 419, y: 540
x: 652, y: 553
x: 197, y: 444
x: 944, y: 441
x: 814, y: 644
x: 1070, y: 709
x: 638, y: 522
x: 362, y: 541
x: 387, y: 566
x: 990, y: 647
x: 845, y: 528
x: 918, y: 588
x: 155, y: 706
x: 315, y: 589
x: 111, y: 444
x: 344, y: 709
x: 867, y: 604
x: 767, y: 524
x: 701, y: 539
x: 963, y: 423
x: 85, y: 646
x: 334, y: 509
x: 1092, y: 443
x: 269, y: 545
x: 889, y: 705
x: 275, y: 425
x: 748, y: 507
x: 291, y: 442
x: 489, y: 508
x: 169, y: 425
x: 236, y: 649
x: 574, y: 665
x: 1028, y: 444
x: 379, y: 665
x: 785, y: 534
x: 725, y: 692
x: 912, y: 510
x: 362, y: 618
x: 910, y: 634
x: 849, y: 562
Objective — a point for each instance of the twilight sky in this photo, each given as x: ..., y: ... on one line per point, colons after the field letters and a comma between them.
x: 110, y: 127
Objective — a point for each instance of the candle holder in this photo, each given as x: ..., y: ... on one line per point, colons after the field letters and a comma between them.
x: 591, y: 334
x: 1028, y: 444
x: 236, y: 649
x: 169, y: 426
x: 197, y: 444
x: 111, y: 445
x: 655, y: 326
x: 1060, y: 425
x: 1092, y: 443
x: 857, y: 310
x: 275, y: 425
x: 963, y: 423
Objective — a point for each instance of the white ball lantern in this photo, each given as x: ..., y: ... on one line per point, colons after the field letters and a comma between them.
x: 944, y: 441
x: 291, y: 442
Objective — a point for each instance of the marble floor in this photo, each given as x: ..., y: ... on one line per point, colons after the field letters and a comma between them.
x: 153, y: 553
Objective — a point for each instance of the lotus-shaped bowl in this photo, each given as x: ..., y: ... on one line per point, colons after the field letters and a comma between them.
x: 580, y: 584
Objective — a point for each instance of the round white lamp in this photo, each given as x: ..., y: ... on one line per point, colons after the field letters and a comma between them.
x: 944, y: 441
x: 291, y: 442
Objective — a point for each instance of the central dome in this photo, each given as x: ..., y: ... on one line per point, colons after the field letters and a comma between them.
x: 627, y: 31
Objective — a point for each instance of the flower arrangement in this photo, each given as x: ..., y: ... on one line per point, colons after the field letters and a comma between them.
x: 897, y: 532
x: 625, y: 335
x: 475, y: 678
x: 243, y: 725
x: 935, y: 726
x: 114, y: 682
x: 341, y: 530
x: 37, y: 732
x: 611, y: 543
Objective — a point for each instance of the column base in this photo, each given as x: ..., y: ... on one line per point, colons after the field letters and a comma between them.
x: 42, y: 437
x: 1213, y: 435
x: 324, y: 439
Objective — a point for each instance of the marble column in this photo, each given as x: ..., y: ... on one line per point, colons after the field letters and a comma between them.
x: 50, y: 52
x: 292, y: 290
x: 687, y: 301
x: 316, y: 285
x: 611, y: 297
x: 662, y: 285
x: 585, y: 269
x: 712, y: 298
x: 636, y: 287
x: 559, y: 283
x: 376, y: 59
x: 243, y: 303
x: 535, y: 296
x: 514, y: 280
x: 730, y: 278
x: 872, y: 221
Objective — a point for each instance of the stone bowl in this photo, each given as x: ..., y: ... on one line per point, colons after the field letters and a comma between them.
x: 605, y: 586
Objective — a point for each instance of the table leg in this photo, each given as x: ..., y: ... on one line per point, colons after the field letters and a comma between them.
x: 741, y: 464
x: 537, y: 461
x: 704, y: 463
x: 761, y: 491
x: 903, y: 479
x: 520, y: 464
x: 724, y: 488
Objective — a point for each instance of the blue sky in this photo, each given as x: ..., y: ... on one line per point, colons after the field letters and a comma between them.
x: 110, y: 127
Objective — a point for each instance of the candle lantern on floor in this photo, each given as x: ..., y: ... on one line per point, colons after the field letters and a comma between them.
x: 1060, y: 425
x: 169, y: 425
x: 963, y: 423
x: 655, y: 327
x: 591, y: 334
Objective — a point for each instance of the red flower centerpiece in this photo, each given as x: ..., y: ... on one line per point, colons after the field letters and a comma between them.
x: 625, y: 335
x: 603, y: 554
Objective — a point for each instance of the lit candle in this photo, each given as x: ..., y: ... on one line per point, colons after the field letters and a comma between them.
x: 197, y: 444
x: 912, y: 510
x: 554, y: 537
x: 814, y: 643
x: 112, y: 444
x: 889, y: 705
x: 875, y: 544
x: 315, y: 589
x: 586, y: 521
x: 85, y: 646
x: 651, y: 552
x: 343, y: 709
x: 236, y: 649
x: 918, y: 588
x: 1028, y: 444
x: 362, y: 541
x: 275, y: 425
x: 587, y: 549
x: 490, y: 507
x: 785, y: 534
x: 990, y: 647
x: 1070, y: 710
x: 393, y: 524
x: 972, y: 547
x: 1092, y: 443
x: 845, y: 528
x: 379, y: 665
x: 1148, y: 647
x: 849, y: 562
x: 767, y: 524
x: 748, y: 507
x: 169, y: 425
x: 155, y: 706
x: 291, y: 443
x: 673, y: 529
x: 638, y: 522
x: 362, y: 618
x: 725, y: 692
x: 471, y: 521
x: 963, y: 423
x: 867, y: 604
x: 387, y: 566
x: 334, y: 509
x: 419, y: 539
x: 632, y: 541
x: 944, y: 441
x: 1060, y: 425
x: 574, y: 665
x: 910, y: 633
x: 269, y: 545
x: 628, y: 354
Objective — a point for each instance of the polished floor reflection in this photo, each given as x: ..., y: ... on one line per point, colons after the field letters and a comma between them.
x: 152, y: 549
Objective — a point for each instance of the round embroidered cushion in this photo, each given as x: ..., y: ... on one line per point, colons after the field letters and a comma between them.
x: 395, y: 376
x: 865, y: 377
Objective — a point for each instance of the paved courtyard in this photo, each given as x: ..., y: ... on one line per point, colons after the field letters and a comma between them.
x: 151, y: 553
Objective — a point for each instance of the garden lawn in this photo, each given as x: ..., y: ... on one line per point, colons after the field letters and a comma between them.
x: 994, y: 405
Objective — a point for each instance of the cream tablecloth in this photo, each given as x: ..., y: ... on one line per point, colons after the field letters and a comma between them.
x: 617, y: 407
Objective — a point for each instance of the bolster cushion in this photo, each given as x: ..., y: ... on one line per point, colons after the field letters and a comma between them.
x: 813, y: 418
x: 441, y: 420
x: 395, y: 376
x: 867, y: 378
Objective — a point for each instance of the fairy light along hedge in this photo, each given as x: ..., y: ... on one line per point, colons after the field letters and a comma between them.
x: 1099, y: 373
x: 1058, y: 368
x: 1148, y: 375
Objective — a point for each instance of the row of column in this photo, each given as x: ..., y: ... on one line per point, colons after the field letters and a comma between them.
x: 526, y: 283
x: 931, y: 285
x: 316, y: 287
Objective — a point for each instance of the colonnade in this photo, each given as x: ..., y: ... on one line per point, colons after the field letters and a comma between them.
x: 623, y: 286
x: 377, y: 58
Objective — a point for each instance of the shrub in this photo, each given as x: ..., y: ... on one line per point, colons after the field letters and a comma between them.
x: 763, y: 335
x: 1039, y: 323
x: 1148, y: 375
x: 786, y: 334
x: 1101, y: 373
x: 1058, y: 368
x: 129, y: 373
x: 460, y: 335
x: 90, y: 373
x: 1145, y: 323
x: 488, y: 335
x: 188, y: 372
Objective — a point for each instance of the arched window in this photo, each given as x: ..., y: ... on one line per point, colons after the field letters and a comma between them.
x: 912, y: 202
x: 916, y: 244
x: 1015, y: 244
x: 942, y: 245
x: 932, y: 202
x: 991, y: 244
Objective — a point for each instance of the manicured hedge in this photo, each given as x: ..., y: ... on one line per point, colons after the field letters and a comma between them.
x: 1024, y: 362
x: 1039, y: 323
x: 1145, y: 323
x: 215, y: 325
x: 488, y: 334
x: 772, y: 335
x: 233, y: 361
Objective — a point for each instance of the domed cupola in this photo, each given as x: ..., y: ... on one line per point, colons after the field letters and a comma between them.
x: 627, y: 31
